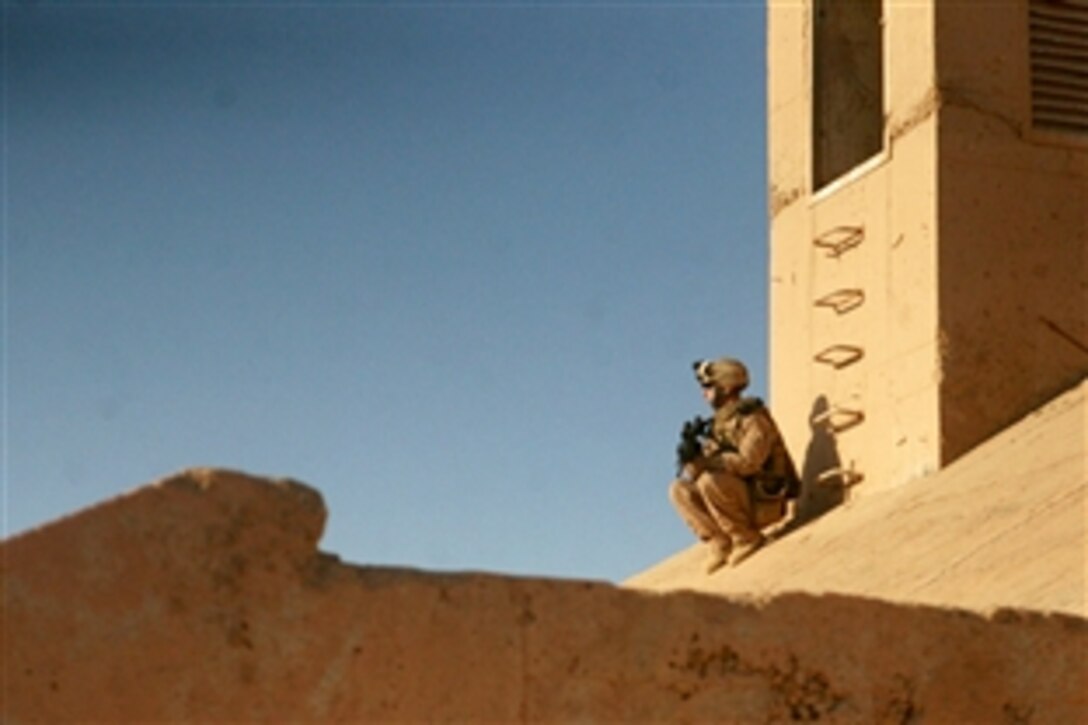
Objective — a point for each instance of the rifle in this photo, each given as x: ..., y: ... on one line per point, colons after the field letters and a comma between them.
x: 692, y: 434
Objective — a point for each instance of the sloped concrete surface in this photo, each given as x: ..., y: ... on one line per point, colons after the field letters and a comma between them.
x: 204, y: 598
x: 1004, y: 526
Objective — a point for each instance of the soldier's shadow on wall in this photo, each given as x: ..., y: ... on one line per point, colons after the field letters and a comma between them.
x: 821, y: 454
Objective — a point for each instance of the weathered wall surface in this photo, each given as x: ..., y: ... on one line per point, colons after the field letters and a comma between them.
x: 886, y: 282
x: 1013, y: 220
x: 204, y: 597
x: 971, y: 274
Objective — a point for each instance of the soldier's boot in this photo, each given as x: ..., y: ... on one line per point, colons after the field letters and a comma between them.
x: 720, y: 549
x: 744, y: 548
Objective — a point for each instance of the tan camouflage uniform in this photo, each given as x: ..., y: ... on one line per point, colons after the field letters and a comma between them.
x: 738, y: 486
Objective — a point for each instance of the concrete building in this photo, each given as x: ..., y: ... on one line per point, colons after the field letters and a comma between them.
x: 929, y: 220
x: 929, y: 178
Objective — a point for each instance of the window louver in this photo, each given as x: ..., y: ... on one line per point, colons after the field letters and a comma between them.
x: 1059, y: 64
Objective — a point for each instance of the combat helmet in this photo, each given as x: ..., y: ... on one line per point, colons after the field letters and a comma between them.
x: 726, y: 374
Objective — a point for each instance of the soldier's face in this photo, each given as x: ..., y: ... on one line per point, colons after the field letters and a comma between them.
x: 709, y: 394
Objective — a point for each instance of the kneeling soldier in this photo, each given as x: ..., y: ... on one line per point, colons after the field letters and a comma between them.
x: 735, y: 480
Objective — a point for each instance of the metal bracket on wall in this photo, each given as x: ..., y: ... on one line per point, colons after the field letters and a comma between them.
x: 845, y: 477
x: 842, y: 300
x: 839, y: 356
x: 839, y: 240
x: 837, y: 419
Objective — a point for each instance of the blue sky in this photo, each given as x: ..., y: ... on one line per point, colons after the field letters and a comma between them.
x: 447, y: 263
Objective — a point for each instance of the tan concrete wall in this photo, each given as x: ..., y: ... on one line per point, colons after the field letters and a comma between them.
x: 1013, y: 220
x: 893, y: 198
x: 973, y: 263
x: 204, y: 598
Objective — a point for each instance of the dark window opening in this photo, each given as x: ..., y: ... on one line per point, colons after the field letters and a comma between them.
x: 848, y: 93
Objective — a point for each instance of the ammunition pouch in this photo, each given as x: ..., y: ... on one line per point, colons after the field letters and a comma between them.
x: 769, y: 495
x: 768, y: 488
x: 765, y: 513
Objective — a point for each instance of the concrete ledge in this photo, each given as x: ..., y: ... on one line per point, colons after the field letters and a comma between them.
x: 1003, y: 526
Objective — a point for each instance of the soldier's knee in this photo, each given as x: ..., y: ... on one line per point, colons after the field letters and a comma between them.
x: 722, y: 488
x: 679, y: 491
